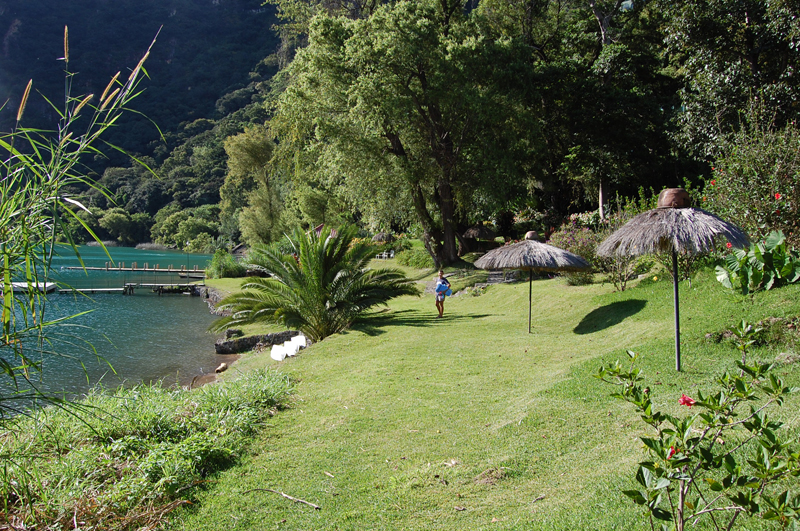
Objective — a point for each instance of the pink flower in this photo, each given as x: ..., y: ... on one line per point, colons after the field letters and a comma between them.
x: 686, y: 401
x: 672, y: 451
x: 777, y: 196
x: 728, y: 245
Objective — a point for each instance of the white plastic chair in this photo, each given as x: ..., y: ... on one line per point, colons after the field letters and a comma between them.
x: 278, y: 353
x: 291, y: 348
x: 300, y: 340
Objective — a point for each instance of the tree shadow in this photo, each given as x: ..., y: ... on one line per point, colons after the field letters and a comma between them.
x: 375, y: 324
x: 608, y: 316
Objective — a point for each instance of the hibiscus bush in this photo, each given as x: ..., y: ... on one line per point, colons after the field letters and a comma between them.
x: 756, y: 181
x: 725, y: 459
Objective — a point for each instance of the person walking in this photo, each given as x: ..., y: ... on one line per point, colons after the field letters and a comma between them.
x: 442, y: 291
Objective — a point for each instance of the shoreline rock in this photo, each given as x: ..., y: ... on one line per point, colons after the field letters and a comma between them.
x: 243, y: 344
x: 212, y: 297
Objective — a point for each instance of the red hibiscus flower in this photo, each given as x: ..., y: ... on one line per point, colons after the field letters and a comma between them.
x: 778, y: 196
x: 672, y: 451
x: 686, y: 401
x: 713, y: 182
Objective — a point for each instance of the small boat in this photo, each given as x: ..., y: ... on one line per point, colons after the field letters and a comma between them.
x: 42, y: 287
x: 189, y: 274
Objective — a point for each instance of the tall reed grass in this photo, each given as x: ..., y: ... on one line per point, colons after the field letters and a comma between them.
x: 37, y: 170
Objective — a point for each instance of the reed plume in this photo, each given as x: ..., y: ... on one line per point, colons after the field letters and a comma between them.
x: 82, y: 104
x: 108, y: 88
x: 24, y: 100
x: 66, y: 44
x: 110, y: 97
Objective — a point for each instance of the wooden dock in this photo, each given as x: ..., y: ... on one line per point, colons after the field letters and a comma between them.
x: 90, y: 291
x: 134, y: 268
x: 163, y: 289
x: 131, y: 287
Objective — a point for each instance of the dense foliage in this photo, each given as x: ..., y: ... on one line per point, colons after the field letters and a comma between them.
x: 436, y: 115
x: 765, y: 265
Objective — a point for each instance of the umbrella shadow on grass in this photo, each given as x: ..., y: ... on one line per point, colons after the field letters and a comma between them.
x: 375, y: 324
x: 609, y: 315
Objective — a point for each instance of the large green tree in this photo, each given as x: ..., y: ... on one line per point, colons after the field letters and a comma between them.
x: 410, y: 110
x: 727, y: 52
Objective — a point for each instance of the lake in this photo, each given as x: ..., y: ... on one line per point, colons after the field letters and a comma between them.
x: 143, y: 337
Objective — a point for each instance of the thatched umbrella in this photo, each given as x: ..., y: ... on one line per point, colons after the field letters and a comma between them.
x: 532, y: 256
x: 675, y: 228
x: 480, y: 232
x: 383, y: 237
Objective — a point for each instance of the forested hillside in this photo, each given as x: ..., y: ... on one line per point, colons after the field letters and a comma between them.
x: 205, y: 49
x: 418, y: 116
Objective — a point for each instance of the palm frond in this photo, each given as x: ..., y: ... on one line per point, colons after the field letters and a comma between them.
x: 321, y: 290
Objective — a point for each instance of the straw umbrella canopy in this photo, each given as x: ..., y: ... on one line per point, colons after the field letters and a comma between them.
x: 480, y: 232
x: 530, y: 255
x: 673, y: 228
x: 383, y: 237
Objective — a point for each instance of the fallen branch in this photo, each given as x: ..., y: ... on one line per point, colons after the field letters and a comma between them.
x: 296, y: 500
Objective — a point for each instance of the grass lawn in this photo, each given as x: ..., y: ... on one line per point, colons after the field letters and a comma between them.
x: 469, y: 422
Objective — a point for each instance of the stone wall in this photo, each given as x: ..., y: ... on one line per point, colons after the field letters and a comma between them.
x: 243, y: 344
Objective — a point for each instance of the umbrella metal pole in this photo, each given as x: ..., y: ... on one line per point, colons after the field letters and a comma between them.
x: 677, y: 312
x: 530, y: 284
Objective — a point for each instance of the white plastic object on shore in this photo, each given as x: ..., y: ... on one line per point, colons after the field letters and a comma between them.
x: 278, y: 353
x: 300, y: 340
x: 291, y: 348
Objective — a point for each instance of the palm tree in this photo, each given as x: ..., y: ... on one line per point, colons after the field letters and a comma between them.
x: 320, y: 290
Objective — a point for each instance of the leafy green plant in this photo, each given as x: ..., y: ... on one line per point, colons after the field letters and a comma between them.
x: 38, y: 171
x: 320, y: 290
x: 726, y: 461
x: 745, y: 336
x: 417, y: 258
x: 224, y: 265
x: 764, y: 266
x: 755, y: 183
x: 581, y: 241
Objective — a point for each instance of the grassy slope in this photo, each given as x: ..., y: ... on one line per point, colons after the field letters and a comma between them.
x: 405, y: 420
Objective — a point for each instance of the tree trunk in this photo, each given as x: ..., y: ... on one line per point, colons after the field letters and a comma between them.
x: 447, y: 208
x: 602, y: 198
x: 431, y: 235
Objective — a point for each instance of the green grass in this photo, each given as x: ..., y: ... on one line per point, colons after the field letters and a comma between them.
x: 122, y: 459
x: 469, y: 422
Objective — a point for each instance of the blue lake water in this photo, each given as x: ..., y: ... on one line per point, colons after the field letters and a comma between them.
x: 144, y: 337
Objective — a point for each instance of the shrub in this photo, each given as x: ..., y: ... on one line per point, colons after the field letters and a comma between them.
x: 756, y: 182
x: 581, y: 241
x: 729, y: 459
x: 417, y: 258
x: 223, y: 265
x: 401, y: 243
